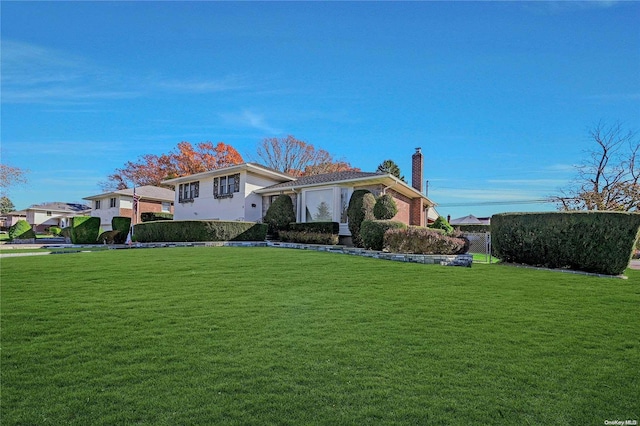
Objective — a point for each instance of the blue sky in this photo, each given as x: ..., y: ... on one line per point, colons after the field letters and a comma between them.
x: 500, y: 95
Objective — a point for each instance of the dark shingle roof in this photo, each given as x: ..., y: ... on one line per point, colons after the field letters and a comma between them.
x: 60, y: 206
x: 325, y: 178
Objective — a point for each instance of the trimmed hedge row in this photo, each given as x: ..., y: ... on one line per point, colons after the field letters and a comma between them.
x: 199, y: 230
x: 372, y: 232
x: 85, y: 229
x: 153, y: 216
x: 594, y: 241
x: 309, y: 237
x: 317, y: 227
x: 419, y: 240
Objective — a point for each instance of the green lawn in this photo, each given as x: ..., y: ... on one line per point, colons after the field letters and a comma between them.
x: 181, y: 336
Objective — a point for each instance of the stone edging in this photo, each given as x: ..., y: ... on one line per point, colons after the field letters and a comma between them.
x: 446, y: 260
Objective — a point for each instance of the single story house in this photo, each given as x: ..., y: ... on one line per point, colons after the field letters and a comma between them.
x: 120, y: 203
x: 245, y: 192
x: 42, y: 216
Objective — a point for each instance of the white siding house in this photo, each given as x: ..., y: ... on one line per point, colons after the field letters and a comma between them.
x: 224, y: 194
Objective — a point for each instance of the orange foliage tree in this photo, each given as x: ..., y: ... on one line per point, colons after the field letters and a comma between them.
x: 299, y: 158
x: 185, y: 160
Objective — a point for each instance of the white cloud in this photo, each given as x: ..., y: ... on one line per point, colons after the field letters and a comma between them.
x: 34, y: 74
x: 228, y: 83
x: 251, y: 119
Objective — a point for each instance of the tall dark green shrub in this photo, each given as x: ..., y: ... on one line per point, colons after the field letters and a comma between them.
x: 280, y: 214
x: 593, y: 241
x: 21, y: 230
x: 122, y: 225
x: 385, y: 207
x: 372, y: 232
x: 85, y: 229
x: 360, y: 208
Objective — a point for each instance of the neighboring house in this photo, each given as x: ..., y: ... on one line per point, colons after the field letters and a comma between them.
x: 120, y: 203
x: 42, y: 216
x: 470, y: 220
x: 245, y: 192
x: 12, y: 218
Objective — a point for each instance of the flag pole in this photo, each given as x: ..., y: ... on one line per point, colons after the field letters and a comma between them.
x: 133, y: 216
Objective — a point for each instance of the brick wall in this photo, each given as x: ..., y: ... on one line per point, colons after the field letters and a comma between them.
x: 145, y: 206
x: 404, y: 206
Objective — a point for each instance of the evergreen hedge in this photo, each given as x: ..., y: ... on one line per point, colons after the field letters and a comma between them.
x: 593, y: 241
x: 199, y: 230
x: 280, y: 214
x: 21, y: 230
x: 372, y: 232
x: 122, y: 225
x: 473, y: 228
x: 385, y: 207
x: 85, y: 229
x: 360, y: 208
x: 303, y: 237
x: 153, y: 216
x: 319, y: 227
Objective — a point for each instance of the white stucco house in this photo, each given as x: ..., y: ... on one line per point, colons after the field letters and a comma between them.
x: 245, y: 192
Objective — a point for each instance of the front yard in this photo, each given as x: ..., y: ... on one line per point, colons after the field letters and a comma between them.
x: 273, y: 336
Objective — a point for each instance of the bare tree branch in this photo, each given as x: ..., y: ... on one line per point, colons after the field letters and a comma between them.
x: 608, y: 180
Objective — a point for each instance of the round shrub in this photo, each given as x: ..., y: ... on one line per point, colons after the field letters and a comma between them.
x: 55, y: 230
x: 280, y: 214
x: 372, y: 232
x: 360, y: 208
x: 21, y: 230
x: 385, y: 207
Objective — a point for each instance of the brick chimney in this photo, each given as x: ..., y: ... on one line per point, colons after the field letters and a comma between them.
x: 416, y: 212
x: 417, y: 164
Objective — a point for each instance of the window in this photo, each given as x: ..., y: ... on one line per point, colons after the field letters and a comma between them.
x: 96, y: 204
x: 112, y: 202
x: 166, y: 206
x: 188, y: 191
x: 344, y: 204
x: 225, y: 186
x: 319, y: 205
x: 48, y: 213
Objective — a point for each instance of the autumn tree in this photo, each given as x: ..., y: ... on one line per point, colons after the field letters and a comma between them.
x: 298, y: 158
x: 389, y: 166
x: 184, y: 160
x: 10, y: 176
x: 608, y: 178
